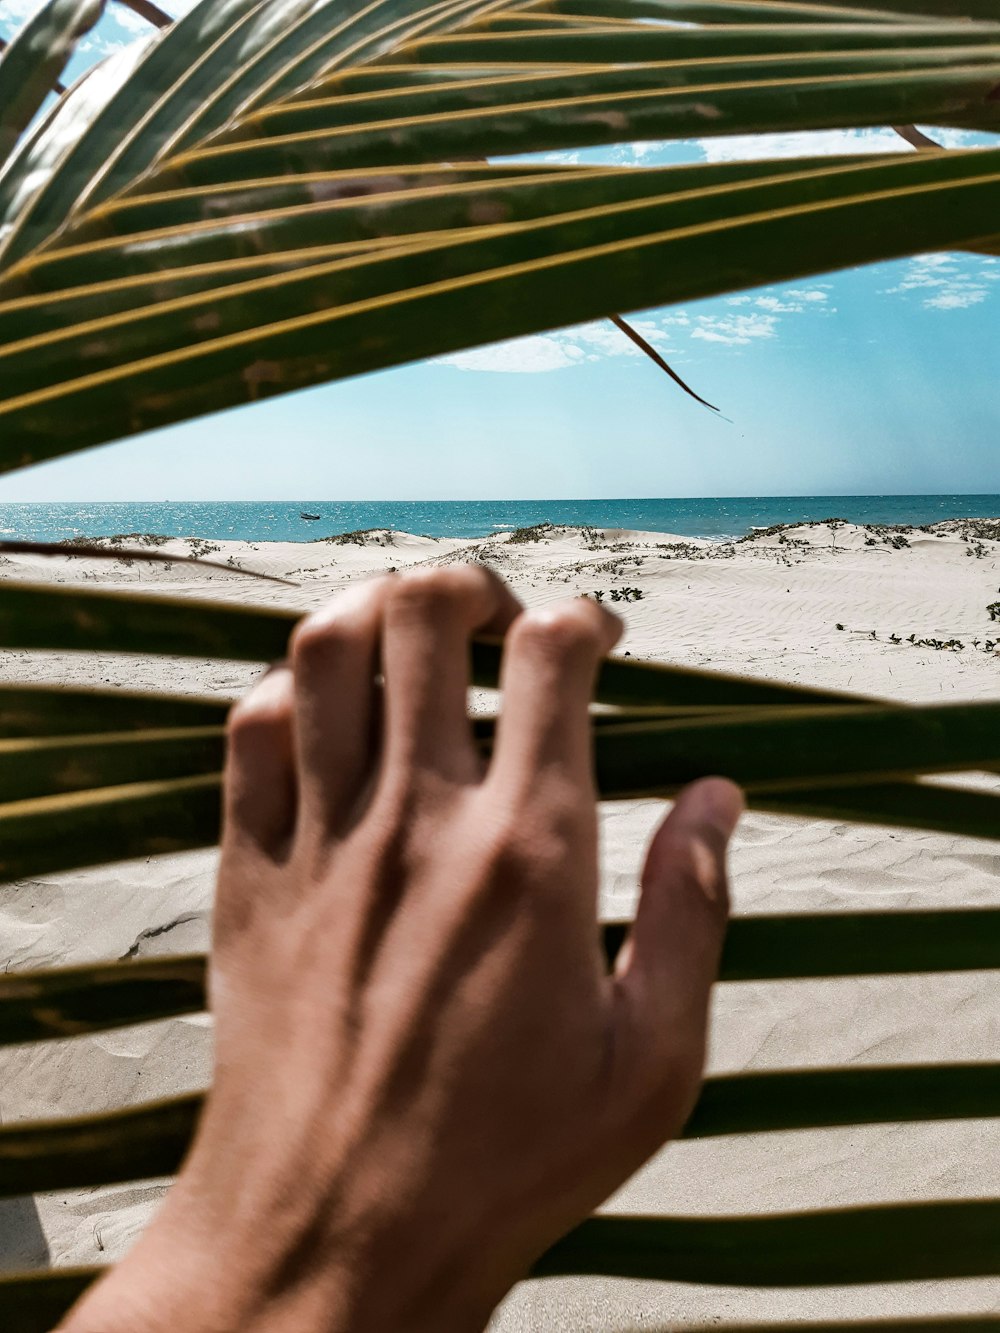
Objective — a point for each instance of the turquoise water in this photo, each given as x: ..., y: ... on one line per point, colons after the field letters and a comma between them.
x: 274, y: 520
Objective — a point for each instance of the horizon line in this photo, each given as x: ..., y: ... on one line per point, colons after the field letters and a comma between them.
x: 559, y: 499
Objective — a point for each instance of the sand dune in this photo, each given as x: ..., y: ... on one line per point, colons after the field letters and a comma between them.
x: 814, y: 604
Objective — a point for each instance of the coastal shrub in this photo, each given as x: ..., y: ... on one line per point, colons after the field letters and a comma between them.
x: 981, y: 529
x: 538, y: 532
x: 199, y: 547
x: 361, y: 537
x: 139, y: 539
x: 152, y: 539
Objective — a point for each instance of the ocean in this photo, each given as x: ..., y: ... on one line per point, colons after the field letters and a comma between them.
x: 279, y: 520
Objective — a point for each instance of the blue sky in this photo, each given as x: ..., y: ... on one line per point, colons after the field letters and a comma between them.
x: 882, y: 380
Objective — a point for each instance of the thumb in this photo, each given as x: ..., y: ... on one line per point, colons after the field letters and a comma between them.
x: 671, y: 959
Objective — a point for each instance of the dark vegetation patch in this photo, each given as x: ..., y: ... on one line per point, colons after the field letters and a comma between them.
x: 119, y: 539
x: 616, y: 594
x: 361, y: 537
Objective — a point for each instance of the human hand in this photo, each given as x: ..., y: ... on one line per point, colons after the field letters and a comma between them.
x: 424, y: 1075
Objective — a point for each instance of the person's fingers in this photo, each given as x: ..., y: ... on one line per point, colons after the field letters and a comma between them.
x: 671, y: 959
x: 430, y: 617
x: 550, y: 663
x: 259, y: 795
x: 334, y: 655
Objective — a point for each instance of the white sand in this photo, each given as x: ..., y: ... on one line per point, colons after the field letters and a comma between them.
x: 769, y: 607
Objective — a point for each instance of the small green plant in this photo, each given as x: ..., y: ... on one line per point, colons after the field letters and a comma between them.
x: 199, y: 547
x: 362, y: 537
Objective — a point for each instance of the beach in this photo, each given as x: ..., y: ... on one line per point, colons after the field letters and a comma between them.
x: 895, y: 612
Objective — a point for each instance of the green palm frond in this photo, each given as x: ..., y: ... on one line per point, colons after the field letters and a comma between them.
x: 278, y: 195
x: 33, y: 62
x: 151, y: 1140
x: 97, y: 997
x: 265, y: 196
x: 822, y: 1247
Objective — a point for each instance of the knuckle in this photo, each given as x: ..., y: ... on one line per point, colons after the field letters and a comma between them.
x: 460, y: 591
x: 324, y: 634
x: 442, y: 590
x: 535, y: 865
x: 536, y: 845
x: 565, y: 631
x: 315, y: 640
x: 267, y: 708
x: 422, y: 592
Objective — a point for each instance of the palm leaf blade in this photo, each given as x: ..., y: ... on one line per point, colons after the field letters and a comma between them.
x: 348, y: 316
x: 34, y: 60
x: 49, y: 766
x: 151, y: 1140
x: 93, y: 827
x: 58, y: 710
x: 887, y: 1243
x: 36, y: 1302
x: 137, y: 1143
x: 38, y: 1005
x: 98, y: 997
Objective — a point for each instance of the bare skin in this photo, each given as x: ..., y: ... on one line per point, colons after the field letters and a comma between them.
x: 424, y: 1075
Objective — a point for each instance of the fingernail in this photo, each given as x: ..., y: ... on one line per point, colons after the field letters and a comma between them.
x: 717, y: 804
x: 715, y: 808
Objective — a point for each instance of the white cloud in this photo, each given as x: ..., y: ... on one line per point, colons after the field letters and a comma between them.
x: 522, y: 355
x: 792, y: 301
x: 100, y: 46
x: 671, y: 332
x: 799, y: 143
x: 734, y: 330
x: 16, y: 11
x: 635, y: 154
x: 128, y: 19
x: 555, y: 351
x: 816, y: 143
x: 775, y: 304
x: 955, y: 300
x: 112, y: 33
x: 947, y: 281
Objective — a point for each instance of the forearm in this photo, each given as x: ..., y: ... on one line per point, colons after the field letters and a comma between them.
x: 277, y: 1280
x: 159, y: 1290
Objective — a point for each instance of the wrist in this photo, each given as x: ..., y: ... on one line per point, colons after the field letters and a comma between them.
x: 179, y: 1276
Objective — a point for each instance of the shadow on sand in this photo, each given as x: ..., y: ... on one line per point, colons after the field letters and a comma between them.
x: 22, y: 1240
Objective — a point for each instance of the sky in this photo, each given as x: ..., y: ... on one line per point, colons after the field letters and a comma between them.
x: 880, y: 380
